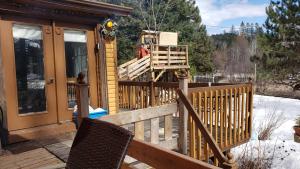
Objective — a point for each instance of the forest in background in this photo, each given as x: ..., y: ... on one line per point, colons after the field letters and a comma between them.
x: 273, y: 47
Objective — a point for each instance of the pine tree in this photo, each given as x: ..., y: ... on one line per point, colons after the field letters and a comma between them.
x: 232, y: 30
x: 282, y: 40
x: 181, y: 16
x: 242, y: 29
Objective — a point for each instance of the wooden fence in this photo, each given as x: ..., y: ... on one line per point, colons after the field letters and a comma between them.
x: 169, y: 57
x: 226, y: 111
x: 138, y: 95
x: 149, y: 153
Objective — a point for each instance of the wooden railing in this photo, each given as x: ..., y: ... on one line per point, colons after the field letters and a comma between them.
x: 225, y: 112
x: 71, y: 91
x: 137, y: 118
x: 148, y: 153
x: 224, y: 109
x: 158, y: 153
x: 134, y: 68
x: 162, y: 158
x: 197, y: 127
x: 160, y: 58
x: 169, y: 57
x: 138, y: 95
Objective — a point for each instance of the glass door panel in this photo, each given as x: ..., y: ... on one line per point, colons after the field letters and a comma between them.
x: 76, y: 60
x: 29, y: 63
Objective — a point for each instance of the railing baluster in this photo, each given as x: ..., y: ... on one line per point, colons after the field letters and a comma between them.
x: 193, y: 138
x: 230, y: 117
x: 234, y: 117
x: 226, y: 117
x: 221, y: 118
x: 216, y: 116
x: 199, y: 143
x: 154, y: 129
x: 247, y: 111
x: 211, y: 112
x: 206, y: 124
x: 243, y: 113
x: 168, y: 127
x: 239, y: 114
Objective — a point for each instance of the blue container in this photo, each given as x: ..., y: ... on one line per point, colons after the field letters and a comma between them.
x: 94, y: 115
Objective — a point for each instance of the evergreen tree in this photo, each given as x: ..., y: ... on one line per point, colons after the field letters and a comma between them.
x: 242, y: 29
x: 281, y: 44
x: 248, y: 30
x: 232, y: 30
x: 181, y: 16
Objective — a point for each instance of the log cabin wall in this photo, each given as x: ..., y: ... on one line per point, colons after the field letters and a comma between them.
x: 53, y: 17
x: 112, y: 77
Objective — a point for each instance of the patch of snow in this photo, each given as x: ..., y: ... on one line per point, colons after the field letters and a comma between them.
x: 281, y: 146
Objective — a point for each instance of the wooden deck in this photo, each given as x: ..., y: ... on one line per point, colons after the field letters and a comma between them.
x: 51, y: 151
x: 37, y: 153
x: 31, y: 159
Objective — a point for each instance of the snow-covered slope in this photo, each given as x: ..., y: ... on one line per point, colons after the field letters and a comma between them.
x: 281, y: 146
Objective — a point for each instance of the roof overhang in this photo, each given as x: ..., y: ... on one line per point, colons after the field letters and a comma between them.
x: 82, y: 11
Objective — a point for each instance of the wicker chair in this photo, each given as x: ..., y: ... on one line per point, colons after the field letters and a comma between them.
x: 98, y: 144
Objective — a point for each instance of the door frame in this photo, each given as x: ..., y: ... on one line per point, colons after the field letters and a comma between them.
x: 64, y: 112
x: 16, y: 121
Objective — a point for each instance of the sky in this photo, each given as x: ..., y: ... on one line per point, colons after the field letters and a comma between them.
x: 220, y: 15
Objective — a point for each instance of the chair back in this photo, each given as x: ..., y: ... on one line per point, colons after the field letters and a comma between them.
x: 99, y: 144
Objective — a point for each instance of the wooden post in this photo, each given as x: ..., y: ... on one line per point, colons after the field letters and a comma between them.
x: 152, y: 94
x: 82, y: 100
x: 169, y: 55
x: 183, y: 117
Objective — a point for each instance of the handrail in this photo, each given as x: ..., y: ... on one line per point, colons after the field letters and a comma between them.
x: 169, y: 56
x: 162, y: 158
x: 208, y: 137
x: 128, y: 63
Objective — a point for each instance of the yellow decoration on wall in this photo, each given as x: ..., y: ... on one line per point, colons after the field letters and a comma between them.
x: 109, y: 24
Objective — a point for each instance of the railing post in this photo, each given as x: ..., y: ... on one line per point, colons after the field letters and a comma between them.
x: 169, y: 50
x: 152, y: 94
x: 128, y: 73
x: 230, y: 163
x: 82, y: 99
x: 183, y: 117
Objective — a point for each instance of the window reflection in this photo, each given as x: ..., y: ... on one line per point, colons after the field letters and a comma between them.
x: 76, y: 60
x: 29, y: 60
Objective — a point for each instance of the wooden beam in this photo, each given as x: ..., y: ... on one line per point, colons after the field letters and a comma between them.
x: 161, y: 158
x: 183, y: 117
x: 159, y: 75
x: 141, y: 114
x: 82, y: 99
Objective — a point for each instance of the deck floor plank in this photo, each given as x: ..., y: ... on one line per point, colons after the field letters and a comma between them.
x: 27, y: 160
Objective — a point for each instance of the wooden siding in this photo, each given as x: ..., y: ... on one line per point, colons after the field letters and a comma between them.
x: 2, y: 91
x: 111, y: 63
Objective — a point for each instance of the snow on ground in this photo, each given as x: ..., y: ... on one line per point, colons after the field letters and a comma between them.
x: 281, y: 146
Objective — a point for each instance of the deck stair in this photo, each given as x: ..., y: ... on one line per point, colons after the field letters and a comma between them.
x: 162, y: 58
x: 134, y: 68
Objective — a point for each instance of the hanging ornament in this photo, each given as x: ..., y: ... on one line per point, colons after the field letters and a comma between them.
x: 109, y: 29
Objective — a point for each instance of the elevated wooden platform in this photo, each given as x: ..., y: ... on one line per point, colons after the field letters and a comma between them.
x: 162, y: 58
